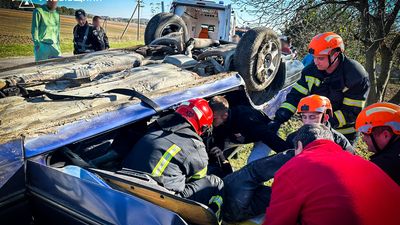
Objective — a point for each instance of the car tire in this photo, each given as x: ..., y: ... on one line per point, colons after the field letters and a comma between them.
x: 257, y: 57
x: 162, y: 24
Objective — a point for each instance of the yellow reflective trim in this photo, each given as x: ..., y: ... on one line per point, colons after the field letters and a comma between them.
x: 345, y: 89
x: 300, y: 89
x: 311, y: 81
x: 339, y: 115
x: 165, y: 159
x: 346, y: 130
x: 200, y: 174
x: 289, y: 107
x: 217, y: 200
x: 352, y: 102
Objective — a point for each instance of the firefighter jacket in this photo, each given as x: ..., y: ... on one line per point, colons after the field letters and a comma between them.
x: 171, y: 149
x: 347, y: 88
x: 389, y: 160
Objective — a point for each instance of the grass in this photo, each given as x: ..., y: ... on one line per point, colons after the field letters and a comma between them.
x: 16, y: 39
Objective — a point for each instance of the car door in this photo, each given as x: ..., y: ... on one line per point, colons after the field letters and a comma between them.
x: 59, y: 198
x: 14, y: 207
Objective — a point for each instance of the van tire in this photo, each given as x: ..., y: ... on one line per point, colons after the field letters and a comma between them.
x: 258, y: 50
x: 159, y: 22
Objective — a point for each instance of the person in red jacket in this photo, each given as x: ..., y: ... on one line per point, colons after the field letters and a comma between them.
x: 323, y: 184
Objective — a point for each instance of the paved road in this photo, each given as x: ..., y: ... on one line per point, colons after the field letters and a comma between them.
x: 6, y: 62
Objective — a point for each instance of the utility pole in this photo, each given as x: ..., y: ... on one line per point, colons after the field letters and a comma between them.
x: 129, y: 22
x: 162, y: 6
x: 138, y: 21
x: 105, y: 23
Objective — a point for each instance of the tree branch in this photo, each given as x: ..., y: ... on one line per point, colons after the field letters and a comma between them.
x: 349, y: 3
x: 392, y: 17
x: 395, y: 42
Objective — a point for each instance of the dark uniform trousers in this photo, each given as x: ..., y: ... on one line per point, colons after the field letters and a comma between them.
x: 173, y: 150
x: 246, y: 196
x: 347, y: 88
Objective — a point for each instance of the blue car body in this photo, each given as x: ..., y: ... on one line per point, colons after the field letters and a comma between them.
x: 29, y: 187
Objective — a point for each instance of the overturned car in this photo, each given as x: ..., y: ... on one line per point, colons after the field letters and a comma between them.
x: 67, y: 123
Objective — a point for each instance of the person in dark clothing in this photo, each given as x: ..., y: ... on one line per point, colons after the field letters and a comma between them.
x: 243, y: 125
x: 344, y: 81
x: 380, y: 126
x: 246, y: 196
x: 173, y: 151
x: 102, y: 34
x: 86, y: 36
x: 323, y: 184
x: 218, y: 164
x: 318, y: 109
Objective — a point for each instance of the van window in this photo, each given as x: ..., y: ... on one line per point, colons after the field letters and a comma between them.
x: 210, y: 28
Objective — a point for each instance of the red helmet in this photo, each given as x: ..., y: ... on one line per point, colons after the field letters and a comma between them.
x: 198, y: 113
x: 324, y: 43
x: 377, y: 115
x: 315, y: 103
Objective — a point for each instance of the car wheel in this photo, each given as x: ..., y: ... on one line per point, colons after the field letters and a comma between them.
x: 163, y: 24
x: 257, y: 57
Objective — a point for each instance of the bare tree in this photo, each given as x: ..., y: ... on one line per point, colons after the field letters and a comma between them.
x: 376, y: 29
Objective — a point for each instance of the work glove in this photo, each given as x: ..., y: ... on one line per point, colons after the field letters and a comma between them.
x: 274, y: 125
x: 281, y: 116
x: 217, y: 153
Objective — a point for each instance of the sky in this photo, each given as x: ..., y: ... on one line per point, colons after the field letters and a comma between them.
x: 113, y: 8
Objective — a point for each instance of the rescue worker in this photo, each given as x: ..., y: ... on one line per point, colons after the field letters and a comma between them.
x: 45, y: 31
x: 174, y: 150
x: 102, y: 34
x: 380, y: 126
x: 243, y: 125
x: 343, y: 80
x: 318, y: 109
x: 86, y: 36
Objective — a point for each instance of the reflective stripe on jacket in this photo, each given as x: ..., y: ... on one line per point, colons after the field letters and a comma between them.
x: 347, y: 88
x: 171, y: 149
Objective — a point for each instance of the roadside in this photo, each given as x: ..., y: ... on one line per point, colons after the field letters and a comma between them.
x: 16, y: 39
x: 13, y: 61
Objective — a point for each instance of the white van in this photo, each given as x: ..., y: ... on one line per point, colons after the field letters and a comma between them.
x: 206, y: 19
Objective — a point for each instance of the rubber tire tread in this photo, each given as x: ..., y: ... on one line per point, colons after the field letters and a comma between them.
x: 245, y: 56
x: 158, y: 22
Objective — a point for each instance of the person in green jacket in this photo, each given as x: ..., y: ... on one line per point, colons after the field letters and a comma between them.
x: 45, y: 31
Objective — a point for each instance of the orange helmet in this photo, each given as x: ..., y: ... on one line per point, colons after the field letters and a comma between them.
x: 198, y: 113
x: 377, y: 115
x: 324, y: 43
x: 315, y: 103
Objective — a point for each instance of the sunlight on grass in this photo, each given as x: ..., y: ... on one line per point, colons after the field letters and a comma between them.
x: 17, y: 50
